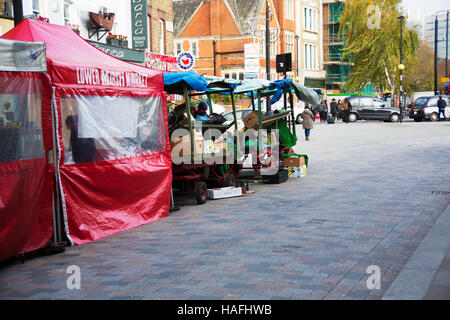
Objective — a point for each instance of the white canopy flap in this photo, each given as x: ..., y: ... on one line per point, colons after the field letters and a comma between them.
x: 22, y: 56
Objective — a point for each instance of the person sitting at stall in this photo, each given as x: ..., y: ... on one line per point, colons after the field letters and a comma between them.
x: 83, y: 149
x: 7, y: 114
x: 201, y: 114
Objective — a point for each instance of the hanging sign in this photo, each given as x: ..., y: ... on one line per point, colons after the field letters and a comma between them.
x: 139, y: 24
x: 185, y: 61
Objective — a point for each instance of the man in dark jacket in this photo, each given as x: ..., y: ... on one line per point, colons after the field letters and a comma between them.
x: 333, y: 108
x: 441, y: 105
x: 83, y: 149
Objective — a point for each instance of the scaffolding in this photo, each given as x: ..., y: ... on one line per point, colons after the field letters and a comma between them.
x: 338, y: 69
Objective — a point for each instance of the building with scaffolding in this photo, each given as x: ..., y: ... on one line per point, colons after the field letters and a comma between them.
x: 338, y: 70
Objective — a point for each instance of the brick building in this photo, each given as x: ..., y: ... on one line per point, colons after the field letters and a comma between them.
x: 6, y: 16
x: 160, y: 14
x: 216, y: 32
x: 154, y: 17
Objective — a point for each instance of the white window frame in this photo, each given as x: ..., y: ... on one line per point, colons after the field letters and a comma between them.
x: 180, y: 44
x: 36, y: 11
x: 66, y: 18
x: 194, y: 44
x: 289, y: 9
x: 161, y: 33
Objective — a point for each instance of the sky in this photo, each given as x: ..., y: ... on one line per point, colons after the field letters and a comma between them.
x: 425, y: 8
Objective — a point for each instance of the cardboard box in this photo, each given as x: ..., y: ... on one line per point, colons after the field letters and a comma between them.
x: 223, y: 193
x: 252, y: 121
x: 294, y: 162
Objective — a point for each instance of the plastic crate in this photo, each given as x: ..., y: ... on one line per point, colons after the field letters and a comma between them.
x: 280, y: 177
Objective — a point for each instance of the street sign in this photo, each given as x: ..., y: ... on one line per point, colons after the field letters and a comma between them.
x: 445, y: 80
x: 251, y: 57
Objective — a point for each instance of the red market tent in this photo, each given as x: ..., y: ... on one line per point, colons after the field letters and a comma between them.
x: 113, y: 162
x: 26, y: 180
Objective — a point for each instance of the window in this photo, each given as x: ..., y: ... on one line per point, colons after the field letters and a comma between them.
x: 305, y: 18
x: 241, y: 76
x: 97, y: 128
x: 194, y: 49
x: 66, y: 13
x: 227, y: 76
x: 367, y: 103
x: 289, y: 42
x: 161, y: 36
x: 179, y: 48
x: 35, y: 6
x: 432, y: 101
x: 310, y: 19
x: 311, y: 58
x: 306, y: 56
x: 20, y: 120
x: 314, y: 57
x: 289, y: 9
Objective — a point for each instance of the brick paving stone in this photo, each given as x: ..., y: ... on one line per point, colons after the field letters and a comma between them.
x: 311, y: 247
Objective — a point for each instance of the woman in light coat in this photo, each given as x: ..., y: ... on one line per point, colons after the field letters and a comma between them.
x: 308, y: 119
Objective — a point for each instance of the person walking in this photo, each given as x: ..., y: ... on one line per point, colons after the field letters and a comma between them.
x: 320, y: 109
x: 333, y: 108
x: 346, y: 110
x: 340, y: 109
x: 441, y: 105
x: 308, y: 119
x: 325, y: 110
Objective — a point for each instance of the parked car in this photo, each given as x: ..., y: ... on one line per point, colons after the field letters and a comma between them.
x: 426, y: 108
x: 240, y: 114
x: 369, y: 108
x: 411, y: 101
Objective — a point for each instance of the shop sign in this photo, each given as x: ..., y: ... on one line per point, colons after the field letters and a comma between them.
x: 185, y: 61
x: 139, y: 24
x: 161, y: 62
x: 120, y: 53
x: 251, y: 56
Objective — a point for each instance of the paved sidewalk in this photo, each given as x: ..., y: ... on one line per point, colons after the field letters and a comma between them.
x: 440, y: 286
x: 368, y: 200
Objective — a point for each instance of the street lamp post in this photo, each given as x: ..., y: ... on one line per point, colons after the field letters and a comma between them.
x: 296, y: 54
x: 401, y: 66
x: 267, y: 41
x: 18, y: 11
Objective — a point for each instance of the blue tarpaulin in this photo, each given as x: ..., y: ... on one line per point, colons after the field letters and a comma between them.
x: 304, y: 94
x: 279, y: 85
x: 174, y: 83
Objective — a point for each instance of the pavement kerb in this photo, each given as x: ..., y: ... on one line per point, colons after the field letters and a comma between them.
x: 415, y: 278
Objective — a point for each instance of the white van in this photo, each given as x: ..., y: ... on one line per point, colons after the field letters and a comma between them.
x: 417, y: 95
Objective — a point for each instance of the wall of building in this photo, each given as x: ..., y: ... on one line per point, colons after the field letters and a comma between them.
x: 161, y: 14
x: 78, y: 14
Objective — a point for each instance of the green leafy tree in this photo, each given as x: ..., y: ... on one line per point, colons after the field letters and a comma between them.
x: 419, y: 75
x: 372, y: 43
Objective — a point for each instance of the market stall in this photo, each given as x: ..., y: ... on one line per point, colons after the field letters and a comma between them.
x: 202, y: 150
x: 108, y: 136
x: 25, y: 176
